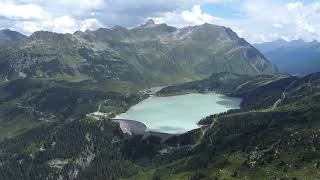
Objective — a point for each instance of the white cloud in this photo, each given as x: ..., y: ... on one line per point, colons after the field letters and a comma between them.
x: 215, y: 1
x: 28, y: 27
x: 293, y: 20
x: 82, y: 4
x: 196, y: 16
x: 80, y: 8
x: 193, y: 17
x: 260, y: 20
x: 22, y: 11
x: 90, y: 24
x: 67, y: 24
x: 29, y: 17
x: 36, y: 14
x: 291, y: 6
x: 64, y: 24
x: 257, y: 20
x: 276, y: 25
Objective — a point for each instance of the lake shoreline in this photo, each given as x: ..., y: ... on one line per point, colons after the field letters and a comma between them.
x: 220, y: 103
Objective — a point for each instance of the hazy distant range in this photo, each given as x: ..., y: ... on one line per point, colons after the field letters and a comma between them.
x: 295, y: 57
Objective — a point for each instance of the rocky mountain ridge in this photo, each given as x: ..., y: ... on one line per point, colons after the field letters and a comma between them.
x: 147, y: 54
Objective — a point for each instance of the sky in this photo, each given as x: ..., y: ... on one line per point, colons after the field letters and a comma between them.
x: 255, y: 20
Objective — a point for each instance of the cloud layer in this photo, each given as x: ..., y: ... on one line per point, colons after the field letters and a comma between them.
x: 259, y: 20
x: 255, y: 20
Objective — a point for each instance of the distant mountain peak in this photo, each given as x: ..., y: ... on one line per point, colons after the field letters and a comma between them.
x: 150, y: 22
x: 281, y: 40
x: 9, y: 31
x: 41, y: 33
x: 118, y: 28
x: 78, y: 32
x: 7, y: 35
x: 151, y: 25
x: 298, y: 41
x: 6, y: 30
x: 208, y: 25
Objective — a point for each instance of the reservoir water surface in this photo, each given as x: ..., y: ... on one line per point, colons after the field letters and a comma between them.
x: 179, y: 114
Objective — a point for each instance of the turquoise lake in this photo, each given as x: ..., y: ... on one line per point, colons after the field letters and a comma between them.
x: 179, y: 114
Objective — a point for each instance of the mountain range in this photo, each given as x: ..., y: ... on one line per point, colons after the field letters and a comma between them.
x: 296, y: 57
x: 148, y: 54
